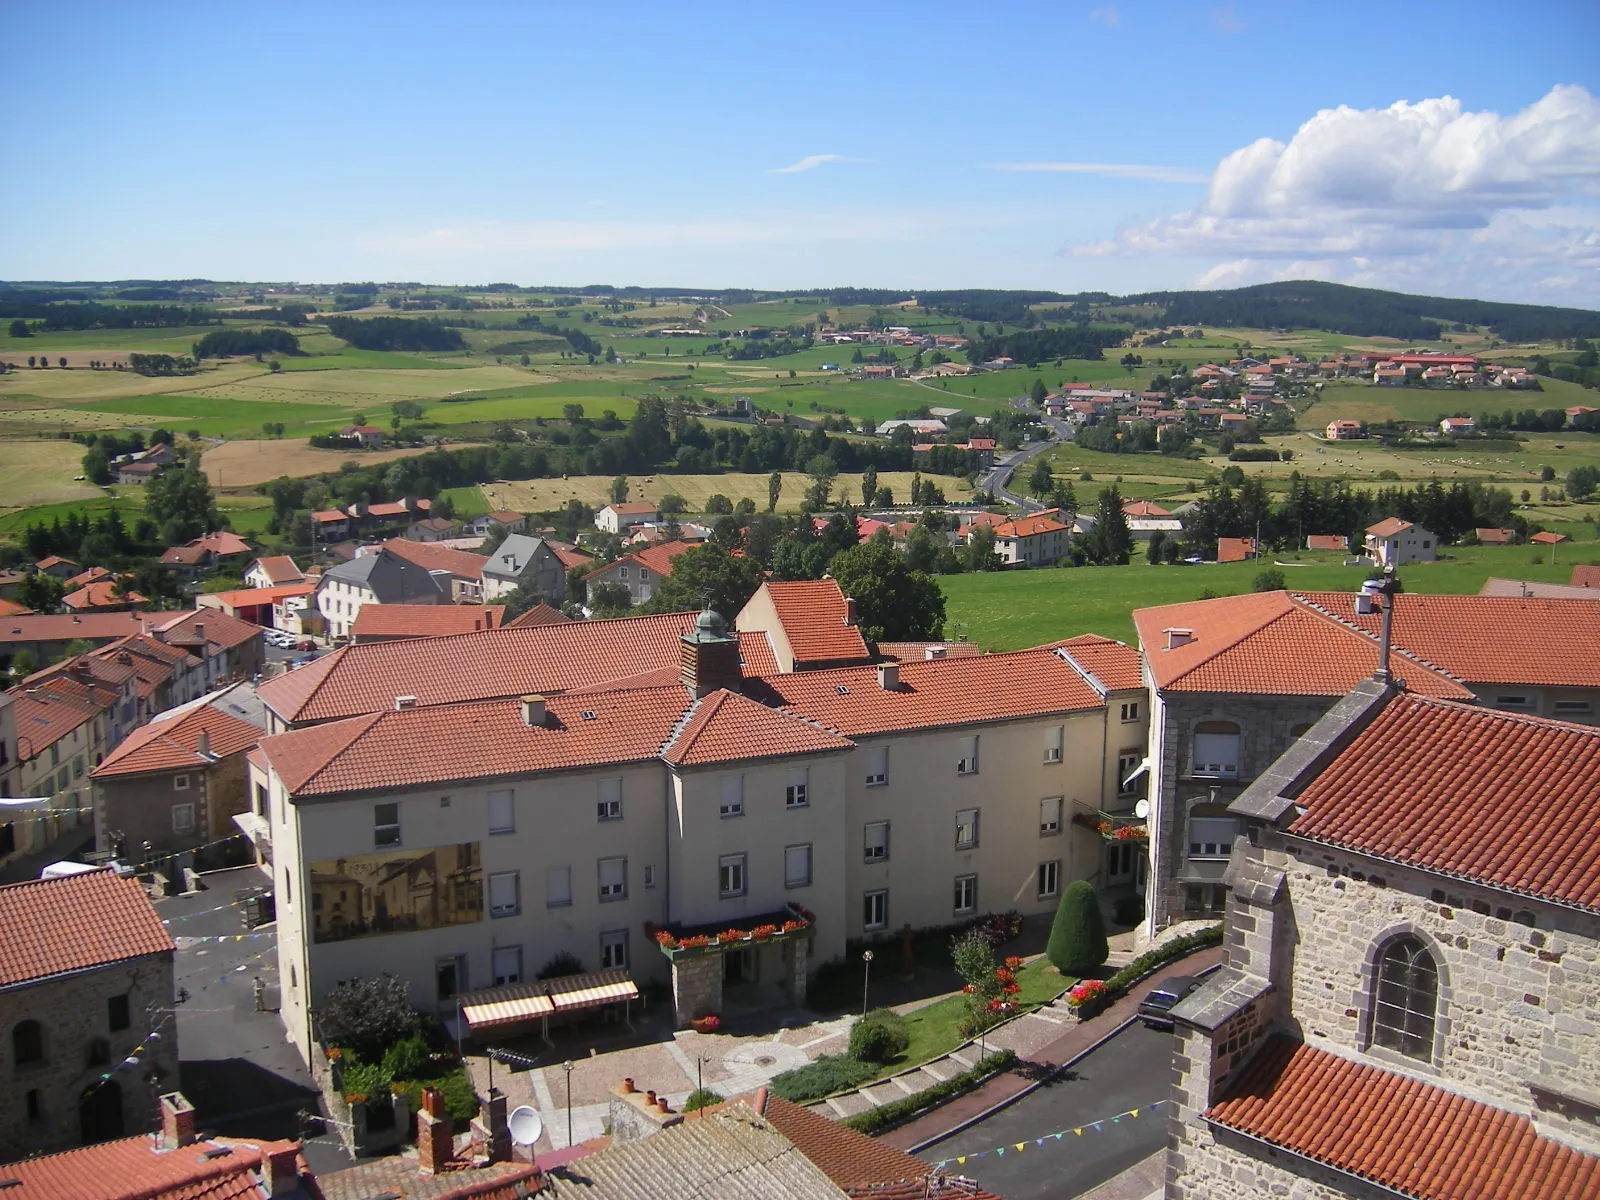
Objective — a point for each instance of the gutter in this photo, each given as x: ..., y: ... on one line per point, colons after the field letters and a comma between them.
x: 1278, y: 1148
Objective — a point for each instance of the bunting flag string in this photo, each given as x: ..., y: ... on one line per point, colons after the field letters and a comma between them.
x: 1077, y: 1131
x: 236, y: 969
x: 185, y: 940
x: 205, y: 911
x: 134, y: 1057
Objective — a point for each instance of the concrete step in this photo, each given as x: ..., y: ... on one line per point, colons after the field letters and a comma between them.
x: 838, y: 1109
x: 965, y: 1057
x: 938, y: 1068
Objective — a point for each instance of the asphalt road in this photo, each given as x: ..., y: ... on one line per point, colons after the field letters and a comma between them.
x: 998, y: 481
x: 1132, y: 1071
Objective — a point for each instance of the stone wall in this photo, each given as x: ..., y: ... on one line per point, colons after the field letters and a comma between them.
x: 1216, y: 1164
x: 696, y: 986
x: 74, y: 1011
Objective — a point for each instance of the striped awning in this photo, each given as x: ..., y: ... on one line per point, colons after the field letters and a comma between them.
x: 514, y: 1003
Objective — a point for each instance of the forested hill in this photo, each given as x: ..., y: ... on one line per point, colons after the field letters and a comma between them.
x: 1366, y: 312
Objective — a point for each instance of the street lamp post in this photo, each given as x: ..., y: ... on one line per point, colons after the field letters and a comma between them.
x: 567, y: 1067
x: 866, y: 978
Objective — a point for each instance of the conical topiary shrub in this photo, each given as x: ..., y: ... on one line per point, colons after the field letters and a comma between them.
x: 1078, y: 936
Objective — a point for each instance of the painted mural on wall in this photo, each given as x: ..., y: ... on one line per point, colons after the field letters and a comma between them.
x: 396, y: 892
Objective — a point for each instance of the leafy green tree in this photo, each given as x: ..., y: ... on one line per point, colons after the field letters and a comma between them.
x: 1064, y: 496
x: 893, y: 602
x: 719, y: 505
x: 823, y: 470
x: 1038, y: 391
x: 774, y: 490
x: 610, y: 599
x: 19, y: 329
x: 1109, y: 540
x: 1078, y: 934
x: 40, y: 592
x: 704, y: 575
x: 879, y: 1036
x: 97, y: 465
x: 1581, y: 481
x: 1269, y: 581
x: 1042, y: 480
x: 671, y: 505
x: 869, y: 484
x: 619, y: 490
x: 1156, y: 548
x: 179, y: 501
x: 367, y: 1016
x: 980, y: 551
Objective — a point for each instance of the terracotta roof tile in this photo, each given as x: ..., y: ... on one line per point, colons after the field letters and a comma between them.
x: 568, y: 556
x: 755, y: 652
x: 539, y: 614
x: 279, y: 568
x: 1489, y: 639
x: 424, y: 620
x: 44, y: 718
x: 219, y: 629
x: 1269, y: 644
x: 1585, y: 576
x: 77, y: 921
x: 632, y: 509
x: 1029, y: 527
x: 812, y: 613
x: 725, y: 727
x: 10, y: 608
x: 919, y: 651
x: 476, y: 666
x: 1397, y: 1132
x: 431, y: 556
x: 1546, y: 538
x: 657, y: 558
x: 1113, y: 663
x: 1468, y: 792
x: 1327, y: 541
x: 137, y: 1168
x: 171, y: 742
x: 1388, y: 527
x: 1235, y: 549
x: 51, y: 627
x: 251, y: 597
x: 100, y: 594
x: 1144, y: 508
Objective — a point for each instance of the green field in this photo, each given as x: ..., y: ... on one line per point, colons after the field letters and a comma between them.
x: 1010, y: 610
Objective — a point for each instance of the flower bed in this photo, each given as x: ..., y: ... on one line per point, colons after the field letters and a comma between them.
x: 699, y: 943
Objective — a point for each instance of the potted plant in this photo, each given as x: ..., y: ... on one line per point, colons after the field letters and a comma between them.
x: 709, y: 1023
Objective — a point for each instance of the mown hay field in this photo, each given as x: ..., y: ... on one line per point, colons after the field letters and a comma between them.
x: 539, y: 495
x: 41, y: 472
x: 246, y: 463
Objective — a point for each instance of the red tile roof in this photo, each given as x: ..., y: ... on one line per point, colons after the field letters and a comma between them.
x: 100, y: 594
x: 476, y: 666
x: 539, y: 614
x: 431, y: 556
x: 1029, y: 527
x: 171, y: 741
x: 1467, y: 792
x: 1545, y: 538
x: 1489, y: 639
x: 89, y: 576
x: 1235, y: 549
x: 725, y: 727
x: 44, y: 716
x: 1588, y: 576
x: 633, y: 509
x: 568, y: 556
x: 77, y: 921
x: 54, y: 560
x: 1414, y: 1138
x: 10, y: 608
x: 950, y: 691
x: 812, y: 613
x: 137, y: 1168
x: 1270, y: 643
x: 1495, y: 537
x: 918, y: 651
x: 657, y: 558
x: 1327, y: 541
x: 223, y: 542
x: 1113, y: 663
x: 279, y: 568
x: 1388, y: 527
x: 219, y: 629
x: 1143, y: 508
x: 424, y: 620
x: 254, y: 597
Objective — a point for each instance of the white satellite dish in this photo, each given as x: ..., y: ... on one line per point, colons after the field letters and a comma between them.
x: 1142, y: 809
x: 525, y: 1124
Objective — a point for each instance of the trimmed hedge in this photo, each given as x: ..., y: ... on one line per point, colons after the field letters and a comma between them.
x: 875, y: 1121
x: 828, y: 1074
x: 879, y: 1036
x: 1122, y: 980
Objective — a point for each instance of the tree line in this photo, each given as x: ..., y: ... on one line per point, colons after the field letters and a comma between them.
x: 224, y: 343
x: 395, y: 333
x: 53, y: 317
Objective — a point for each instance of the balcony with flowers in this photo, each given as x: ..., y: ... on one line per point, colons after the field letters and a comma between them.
x: 1114, y: 827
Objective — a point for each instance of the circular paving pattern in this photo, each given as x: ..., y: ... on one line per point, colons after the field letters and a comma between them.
x: 765, y: 1056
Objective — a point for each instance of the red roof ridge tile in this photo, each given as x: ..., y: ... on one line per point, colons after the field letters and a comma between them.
x: 759, y: 732
x: 163, y: 745
x: 74, y: 922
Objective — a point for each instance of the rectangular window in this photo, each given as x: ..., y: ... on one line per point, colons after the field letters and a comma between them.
x: 794, y: 795
x: 1514, y: 702
x: 502, y: 812
x: 876, y: 841
x: 557, y: 887
x: 1053, y: 740
x: 180, y: 783
x: 732, y: 796
x: 1130, y: 711
x: 966, y: 829
x: 385, y: 824
x: 622, y: 573
x: 1216, y: 754
x: 730, y: 875
x: 1212, y: 837
x: 1130, y: 780
x: 1573, y: 708
x: 505, y: 894
x: 1049, y: 816
x: 613, y: 878
x: 966, y: 899
x: 183, y: 818
x: 614, y: 950
x: 1049, y: 878
x: 967, y: 756
x: 609, y: 807
x: 506, y: 965
x: 877, y: 766
x: 644, y: 574
x: 797, y: 866
x: 875, y: 909
x: 264, y: 802
x: 118, y: 1013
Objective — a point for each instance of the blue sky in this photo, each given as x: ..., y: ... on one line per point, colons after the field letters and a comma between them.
x: 1121, y: 146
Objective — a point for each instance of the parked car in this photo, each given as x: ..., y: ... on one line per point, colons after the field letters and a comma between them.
x: 305, y: 644
x: 1158, y: 1003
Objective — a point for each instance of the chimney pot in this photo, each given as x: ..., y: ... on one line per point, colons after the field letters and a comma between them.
x: 177, y: 1121
x: 935, y: 652
x: 533, y: 711
x: 627, y: 1087
x: 200, y: 629
x: 202, y: 744
x: 282, y: 1172
x: 433, y: 1102
x: 1178, y: 637
x: 889, y: 676
x: 650, y: 1096
x: 849, y: 610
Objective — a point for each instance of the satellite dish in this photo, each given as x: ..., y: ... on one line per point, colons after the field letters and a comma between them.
x: 525, y: 1124
x: 1142, y: 809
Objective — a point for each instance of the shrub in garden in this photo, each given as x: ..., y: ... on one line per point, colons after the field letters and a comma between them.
x: 830, y: 1073
x: 559, y: 965
x: 879, y: 1036
x: 701, y: 1098
x: 407, y: 1058
x: 367, y: 1016
x: 1078, y: 935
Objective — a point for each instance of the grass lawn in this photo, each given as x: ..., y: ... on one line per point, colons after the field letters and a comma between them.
x: 539, y: 495
x: 41, y: 471
x: 1010, y: 610
x: 469, y: 502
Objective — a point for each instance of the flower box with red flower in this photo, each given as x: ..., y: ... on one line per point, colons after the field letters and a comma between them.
x: 666, y: 941
x: 729, y: 936
x: 709, y: 1023
x: 796, y: 926
x: 1130, y: 833
x: 764, y: 933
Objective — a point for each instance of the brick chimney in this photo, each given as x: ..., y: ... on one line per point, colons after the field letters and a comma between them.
x: 280, y: 1172
x: 709, y: 657
x: 533, y: 711
x: 177, y: 1121
x: 889, y: 676
x: 849, y: 610
x: 489, y: 1127
x: 435, y: 1141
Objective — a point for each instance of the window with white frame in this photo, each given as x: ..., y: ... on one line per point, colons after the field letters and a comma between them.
x: 877, y: 766
x: 732, y: 796
x: 1053, y: 740
x: 797, y: 866
x: 502, y: 812
x: 1216, y: 749
x: 385, y: 824
x: 609, y: 805
x: 795, y: 793
x: 1049, y: 816
x: 622, y: 573
x: 966, y: 829
x: 613, y: 878
x: 613, y: 949
x: 1049, y: 878
x: 557, y: 887
x: 505, y: 894
x: 180, y: 783
x: 875, y: 909
x: 730, y: 875
x: 1130, y: 710
x: 183, y: 818
x: 967, y: 756
x: 876, y: 841
x: 505, y: 963
x: 1212, y: 837
x: 966, y: 897
x: 1130, y: 780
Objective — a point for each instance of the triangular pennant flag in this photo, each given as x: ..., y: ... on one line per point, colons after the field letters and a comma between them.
x: 1019, y: 1146
x: 1134, y: 1113
x: 1059, y: 1136
x: 939, y: 1166
x: 1001, y: 1151
x: 961, y: 1161
x: 1038, y: 1141
x: 1096, y: 1126
x: 1079, y: 1132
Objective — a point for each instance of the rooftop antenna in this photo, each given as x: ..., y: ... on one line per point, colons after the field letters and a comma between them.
x: 1380, y: 592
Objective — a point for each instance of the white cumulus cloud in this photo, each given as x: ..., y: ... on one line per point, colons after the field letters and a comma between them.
x: 812, y: 161
x: 1409, y: 194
